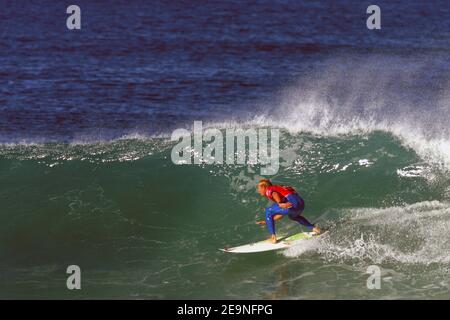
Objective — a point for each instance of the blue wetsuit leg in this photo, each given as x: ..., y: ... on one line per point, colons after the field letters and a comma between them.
x: 300, y: 206
x: 302, y: 220
x: 271, y: 212
x: 294, y: 212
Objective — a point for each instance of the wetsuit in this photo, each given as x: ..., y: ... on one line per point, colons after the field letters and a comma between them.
x: 287, y: 194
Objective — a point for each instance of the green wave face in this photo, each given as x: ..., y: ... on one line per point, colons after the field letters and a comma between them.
x: 140, y: 226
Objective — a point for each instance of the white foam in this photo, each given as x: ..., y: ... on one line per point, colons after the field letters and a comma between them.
x: 363, y: 95
x: 411, y: 234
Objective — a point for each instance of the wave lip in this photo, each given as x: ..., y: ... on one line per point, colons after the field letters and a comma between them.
x: 405, y: 96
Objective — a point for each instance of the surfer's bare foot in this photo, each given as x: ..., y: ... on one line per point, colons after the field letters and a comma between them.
x: 317, y: 230
x: 273, y: 239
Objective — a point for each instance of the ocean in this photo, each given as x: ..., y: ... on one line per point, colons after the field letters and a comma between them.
x: 86, y: 176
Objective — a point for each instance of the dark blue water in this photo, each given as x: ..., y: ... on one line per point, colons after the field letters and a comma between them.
x: 145, y: 66
x: 85, y: 170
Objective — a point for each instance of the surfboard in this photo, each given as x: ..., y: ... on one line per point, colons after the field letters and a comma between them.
x: 266, y: 245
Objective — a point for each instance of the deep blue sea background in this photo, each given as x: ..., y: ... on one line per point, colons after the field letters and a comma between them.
x: 141, y: 66
x: 85, y: 170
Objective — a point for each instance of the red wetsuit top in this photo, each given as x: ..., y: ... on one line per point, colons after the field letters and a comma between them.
x: 284, y: 191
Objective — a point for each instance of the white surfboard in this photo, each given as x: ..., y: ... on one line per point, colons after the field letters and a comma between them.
x: 266, y: 245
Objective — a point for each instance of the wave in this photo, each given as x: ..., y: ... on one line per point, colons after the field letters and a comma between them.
x: 415, y: 234
x: 124, y: 200
x: 407, y: 97
x: 358, y: 148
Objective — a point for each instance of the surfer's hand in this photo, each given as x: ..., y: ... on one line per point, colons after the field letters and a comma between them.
x: 262, y: 222
x: 285, y: 205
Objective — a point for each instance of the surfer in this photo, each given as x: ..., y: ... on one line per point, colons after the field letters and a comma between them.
x: 288, y: 202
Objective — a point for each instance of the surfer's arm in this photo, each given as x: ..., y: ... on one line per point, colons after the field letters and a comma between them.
x: 278, y: 199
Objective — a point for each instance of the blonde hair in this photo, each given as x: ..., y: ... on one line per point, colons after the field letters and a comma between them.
x: 264, y: 182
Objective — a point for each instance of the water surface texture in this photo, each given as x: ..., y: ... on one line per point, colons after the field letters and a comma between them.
x: 86, y: 176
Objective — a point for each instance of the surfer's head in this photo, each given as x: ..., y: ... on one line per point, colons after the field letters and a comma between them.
x: 262, y: 186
